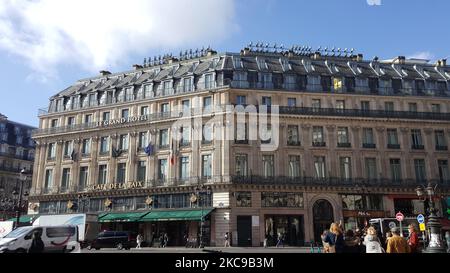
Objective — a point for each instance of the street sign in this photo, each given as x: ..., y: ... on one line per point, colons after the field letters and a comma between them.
x: 399, y: 216
x: 420, y: 219
x: 422, y: 226
x: 392, y: 225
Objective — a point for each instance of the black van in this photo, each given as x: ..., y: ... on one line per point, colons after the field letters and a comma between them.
x: 114, y: 239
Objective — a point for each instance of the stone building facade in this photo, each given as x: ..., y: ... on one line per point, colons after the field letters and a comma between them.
x: 150, y: 149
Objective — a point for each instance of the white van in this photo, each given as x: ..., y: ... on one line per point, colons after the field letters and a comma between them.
x: 55, y: 238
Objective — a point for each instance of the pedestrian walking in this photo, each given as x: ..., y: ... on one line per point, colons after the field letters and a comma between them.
x: 447, y: 239
x: 166, y: 239
x: 265, y: 241
x: 372, y: 242
x: 227, y: 240
x: 335, y: 239
x: 37, y: 245
x: 413, y: 238
x: 161, y: 240
x: 139, y: 240
x: 280, y: 240
x: 397, y: 244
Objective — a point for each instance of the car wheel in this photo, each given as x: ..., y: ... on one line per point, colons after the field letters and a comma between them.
x: 119, y: 246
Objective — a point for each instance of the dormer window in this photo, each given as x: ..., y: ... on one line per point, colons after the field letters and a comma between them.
x: 262, y: 64
x: 237, y: 62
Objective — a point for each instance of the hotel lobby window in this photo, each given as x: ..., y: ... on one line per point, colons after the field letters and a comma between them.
x: 243, y: 199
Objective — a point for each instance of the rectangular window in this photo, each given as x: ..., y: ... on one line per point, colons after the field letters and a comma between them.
x: 70, y: 121
x: 266, y: 135
x: 186, y: 105
x: 241, y: 100
x: 441, y: 142
x: 350, y: 84
x: 282, y: 199
x: 86, y: 147
x: 88, y: 118
x: 184, y: 167
x: 241, y: 165
x: 209, y: 81
x: 316, y: 104
x: 187, y: 85
x: 48, y: 179
x: 142, y: 140
x: 162, y: 169
x: 392, y: 137
x: 105, y: 116
x: 121, y: 172
x: 68, y: 147
x: 54, y: 123
x: 65, y: 178
x: 104, y: 145
x: 268, y: 166
x: 125, y: 113
x: 292, y: 102
x: 51, y: 154
x: 293, y: 136
x: 144, y: 111
x: 185, y: 135
x: 83, y: 180
x: 141, y: 170
x: 412, y: 107
x: 243, y: 199
x: 337, y: 84
x: 343, y: 139
x: 318, y: 137
x: 319, y: 167
x: 206, y: 166
x: 148, y: 90
x: 396, y: 171
x: 207, y: 101
x: 389, y: 106
x: 419, y: 168
x: 368, y: 136
x: 340, y: 104
x: 237, y: 62
x: 207, y: 134
x: 443, y: 171
x: 123, y: 142
x: 345, y: 167
x: 436, y: 108
x: 102, y: 174
x: 416, y: 139
x: 165, y: 108
x: 167, y: 88
x: 164, y: 138
x: 365, y: 105
x: 294, y: 166
x: 241, y: 133
x: 371, y: 168
x: 267, y: 101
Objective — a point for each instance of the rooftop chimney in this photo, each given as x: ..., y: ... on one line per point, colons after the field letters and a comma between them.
x: 441, y: 62
x: 137, y: 66
x: 105, y: 72
x: 359, y: 58
x: 245, y: 51
x: 400, y: 60
x: 211, y: 52
x: 316, y: 55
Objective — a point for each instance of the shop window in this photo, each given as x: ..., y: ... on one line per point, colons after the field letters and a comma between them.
x: 243, y: 199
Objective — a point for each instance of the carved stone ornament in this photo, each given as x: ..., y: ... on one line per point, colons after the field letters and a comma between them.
x: 149, y: 201
x: 193, y: 198
x: 305, y: 126
x: 70, y: 204
x: 108, y: 203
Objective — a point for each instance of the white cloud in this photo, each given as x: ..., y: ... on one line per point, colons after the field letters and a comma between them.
x: 424, y: 55
x: 97, y: 34
x: 374, y: 2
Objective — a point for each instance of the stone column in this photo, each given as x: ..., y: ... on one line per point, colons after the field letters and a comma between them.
x: 132, y: 151
x: 381, y: 147
x: 151, y: 165
x: 332, y: 167
x: 57, y: 170
x: 406, y: 147
x: 36, y: 182
x: 281, y: 160
x: 113, y: 162
x: 356, y: 142
x: 75, y: 171
x: 93, y: 164
x: 307, y: 144
x: 432, y: 170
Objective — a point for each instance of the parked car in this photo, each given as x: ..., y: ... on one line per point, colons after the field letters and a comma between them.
x: 114, y: 239
x: 55, y: 239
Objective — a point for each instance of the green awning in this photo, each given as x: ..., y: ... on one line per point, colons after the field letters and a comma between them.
x: 176, y: 215
x: 25, y: 218
x: 122, y: 217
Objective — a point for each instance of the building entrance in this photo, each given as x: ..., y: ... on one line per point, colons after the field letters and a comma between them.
x: 289, y: 227
x: 244, y: 230
x: 322, y: 218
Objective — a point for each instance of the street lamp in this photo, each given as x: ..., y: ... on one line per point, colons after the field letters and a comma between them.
x: 435, y: 245
x: 202, y: 202
x: 23, y: 179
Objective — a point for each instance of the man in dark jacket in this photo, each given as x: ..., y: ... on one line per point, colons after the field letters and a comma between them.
x: 37, y: 245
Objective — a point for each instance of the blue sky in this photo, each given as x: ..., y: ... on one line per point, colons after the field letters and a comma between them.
x: 38, y: 57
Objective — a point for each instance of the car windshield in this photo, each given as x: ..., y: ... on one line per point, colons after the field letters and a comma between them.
x: 18, y: 232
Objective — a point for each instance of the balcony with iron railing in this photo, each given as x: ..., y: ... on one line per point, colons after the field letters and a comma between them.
x: 417, y: 147
x: 393, y: 146
x: 293, y: 143
x: 369, y: 145
x: 319, y: 144
x: 441, y: 148
x: 344, y: 145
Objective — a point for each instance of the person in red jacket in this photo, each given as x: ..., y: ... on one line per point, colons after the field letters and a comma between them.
x: 413, y: 239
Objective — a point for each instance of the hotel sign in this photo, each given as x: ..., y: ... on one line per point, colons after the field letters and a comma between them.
x: 117, y: 186
x: 122, y: 121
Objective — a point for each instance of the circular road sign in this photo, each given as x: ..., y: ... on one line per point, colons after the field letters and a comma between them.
x: 399, y: 216
x: 392, y: 225
x: 420, y: 219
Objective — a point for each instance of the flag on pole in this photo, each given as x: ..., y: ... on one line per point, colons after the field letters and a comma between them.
x: 149, y: 149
